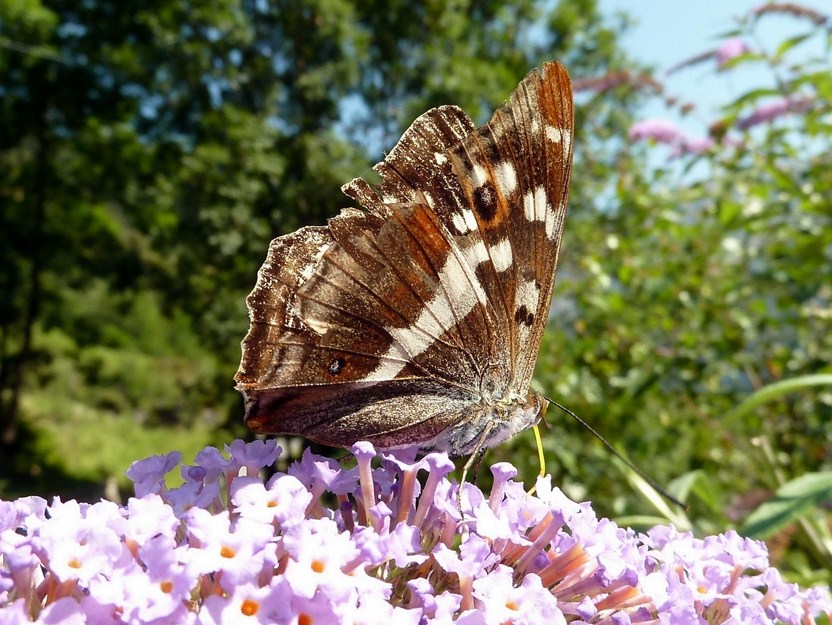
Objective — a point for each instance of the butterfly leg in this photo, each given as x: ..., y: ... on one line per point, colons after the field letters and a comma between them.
x: 472, y: 465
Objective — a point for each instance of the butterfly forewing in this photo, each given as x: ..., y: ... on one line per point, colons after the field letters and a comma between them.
x: 417, y: 320
x: 526, y: 150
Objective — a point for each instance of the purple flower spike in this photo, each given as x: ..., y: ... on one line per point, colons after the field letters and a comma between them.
x: 774, y: 110
x: 658, y: 130
x: 323, y: 544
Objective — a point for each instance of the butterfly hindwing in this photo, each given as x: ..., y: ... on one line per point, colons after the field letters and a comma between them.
x: 377, y: 304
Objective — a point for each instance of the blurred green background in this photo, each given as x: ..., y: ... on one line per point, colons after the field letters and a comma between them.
x: 150, y: 150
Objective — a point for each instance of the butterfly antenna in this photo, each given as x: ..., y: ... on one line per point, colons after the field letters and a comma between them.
x: 617, y: 454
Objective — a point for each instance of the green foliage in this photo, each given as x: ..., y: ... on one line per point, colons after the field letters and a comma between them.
x: 148, y: 153
x: 790, y: 503
x: 692, y: 322
x: 118, y: 381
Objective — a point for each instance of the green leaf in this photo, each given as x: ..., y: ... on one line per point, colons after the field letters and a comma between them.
x: 788, y: 44
x: 668, y: 511
x: 697, y: 483
x: 790, y: 501
x: 775, y: 391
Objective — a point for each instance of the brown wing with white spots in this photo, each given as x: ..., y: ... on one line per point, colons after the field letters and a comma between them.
x: 515, y: 173
x: 347, y: 318
x: 501, y: 191
x: 395, y: 322
x: 365, y: 299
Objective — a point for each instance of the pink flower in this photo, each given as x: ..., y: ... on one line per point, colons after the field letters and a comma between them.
x: 698, y: 146
x: 773, y: 110
x: 659, y: 130
x: 730, y: 49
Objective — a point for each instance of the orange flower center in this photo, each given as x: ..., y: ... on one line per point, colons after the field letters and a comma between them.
x: 227, y: 552
x: 249, y: 607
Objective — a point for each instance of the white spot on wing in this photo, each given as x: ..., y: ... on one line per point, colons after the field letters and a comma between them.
x: 535, y: 204
x: 440, y: 158
x: 478, y: 177
x: 567, y: 139
x: 434, y: 319
x: 501, y: 255
x: 528, y: 295
x: 459, y: 223
x: 464, y: 221
x: 470, y: 219
x: 551, y: 223
x: 458, y: 286
x: 393, y: 361
x: 476, y: 254
x: 506, y: 178
x: 554, y: 135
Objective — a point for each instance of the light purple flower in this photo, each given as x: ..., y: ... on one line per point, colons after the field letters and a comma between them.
x: 699, y: 145
x: 369, y: 545
x: 319, y: 474
x: 75, y: 547
x: 666, y: 133
x: 195, y: 494
x: 765, y: 113
x: 254, y: 456
x: 248, y: 603
x: 148, y: 475
x: 233, y: 551
x: 210, y: 465
x: 501, y: 601
x: 148, y: 517
x: 65, y: 611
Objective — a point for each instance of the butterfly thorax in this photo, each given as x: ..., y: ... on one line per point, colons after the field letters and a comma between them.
x: 490, y: 422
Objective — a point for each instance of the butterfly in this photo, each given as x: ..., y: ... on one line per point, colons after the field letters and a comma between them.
x: 416, y: 320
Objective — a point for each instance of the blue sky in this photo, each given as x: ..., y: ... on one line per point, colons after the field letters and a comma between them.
x: 670, y: 31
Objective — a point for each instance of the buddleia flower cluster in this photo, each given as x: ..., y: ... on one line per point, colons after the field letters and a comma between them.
x: 382, y: 542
